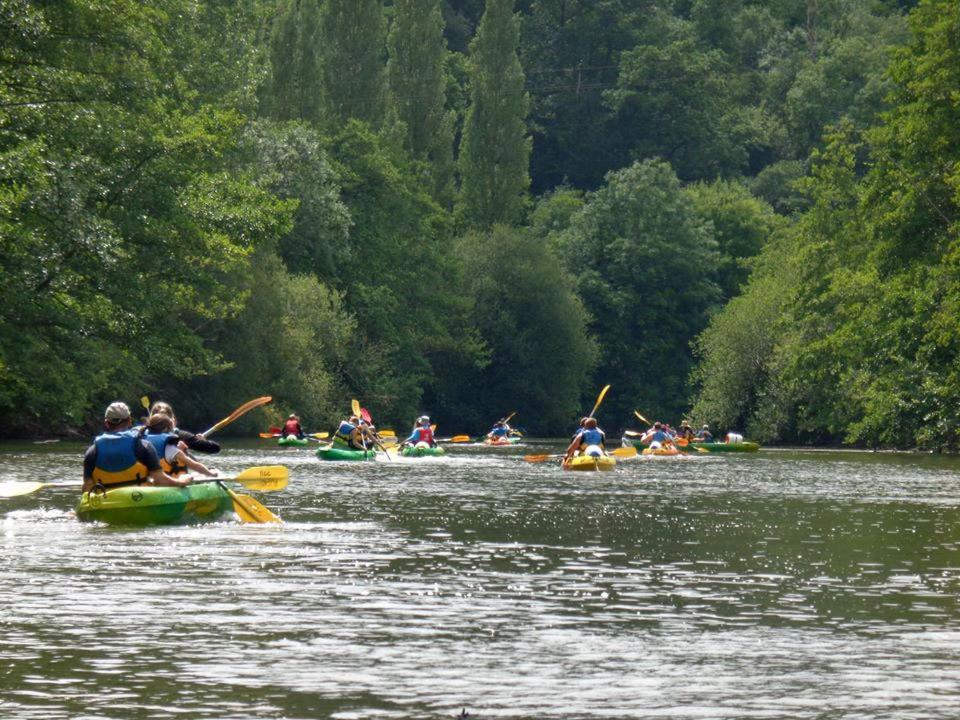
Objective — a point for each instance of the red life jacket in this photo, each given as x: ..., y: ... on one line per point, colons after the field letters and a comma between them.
x: 426, y: 435
x: 292, y: 427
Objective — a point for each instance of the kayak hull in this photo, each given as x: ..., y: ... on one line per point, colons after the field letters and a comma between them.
x: 586, y: 463
x: 150, y: 505
x: 660, y: 451
x: 423, y: 452
x: 745, y: 446
x: 501, y: 442
x: 339, y: 454
x: 292, y: 441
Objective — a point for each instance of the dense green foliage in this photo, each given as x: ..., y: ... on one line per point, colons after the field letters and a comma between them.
x: 740, y: 210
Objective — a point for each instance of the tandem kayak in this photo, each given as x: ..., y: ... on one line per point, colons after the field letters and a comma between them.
x: 292, y: 441
x: 423, y: 451
x: 587, y: 462
x: 150, y: 505
x: 745, y: 446
x: 328, y: 452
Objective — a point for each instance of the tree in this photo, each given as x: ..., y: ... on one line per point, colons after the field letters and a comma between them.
x: 495, y: 152
x: 644, y: 260
x: 295, y: 90
x: 354, y: 49
x: 418, y: 81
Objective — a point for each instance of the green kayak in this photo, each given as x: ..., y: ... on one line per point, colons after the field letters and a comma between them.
x: 423, y: 451
x: 745, y: 446
x: 292, y: 441
x: 327, y: 452
x: 149, y: 505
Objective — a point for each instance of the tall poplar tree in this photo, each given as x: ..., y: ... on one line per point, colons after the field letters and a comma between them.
x: 295, y: 88
x: 417, y: 80
x: 495, y: 154
x: 353, y: 68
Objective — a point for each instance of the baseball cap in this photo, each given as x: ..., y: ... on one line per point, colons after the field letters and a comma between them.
x: 117, y: 412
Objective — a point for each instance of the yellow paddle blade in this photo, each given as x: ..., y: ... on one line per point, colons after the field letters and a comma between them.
x: 267, y: 436
x: 642, y: 418
x: 15, y: 489
x: 624, y: 452
x: 460, y: 438
x: 264, y: 478
x: 355, y: 407
x: 145, y: 401
x: 389, y: 441
x: 387, y: 433
x: 249, y: 510
x: 599, y: 400
x: 319, y: 435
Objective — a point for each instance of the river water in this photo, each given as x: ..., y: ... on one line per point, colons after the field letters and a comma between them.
x: 786, y: 584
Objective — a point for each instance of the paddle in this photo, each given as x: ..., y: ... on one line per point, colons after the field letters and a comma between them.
x: 266, y: 478
x: 683, y: 442
x: 367, y: 418
x: 248, y: 509
x: 642, y: 418
x: 246, y: 407
x: 599, y: 400
x: 461, y: 438
x: 313, y: 436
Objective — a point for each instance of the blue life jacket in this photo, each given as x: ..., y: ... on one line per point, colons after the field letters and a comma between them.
x: 117, y: 462
x: 659, y: 436
x: 160, y: 442
x: 499, y: 432
x: 591, y: 436
x: 345, y: 429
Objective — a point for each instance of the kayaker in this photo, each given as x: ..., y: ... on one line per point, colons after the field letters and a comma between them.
x: 292, y: 427
x: 583, y: 421
x: 422, y: 433
x: 350, y: 434
x: 119, y: 457
x: 733, y: 438
x: 656, y: 436
x: 685, y: 432
x: 590, y: 440
x: 705, y: 435
x: 193, y: 441
x: 173, y: 459
x: 501, y: 431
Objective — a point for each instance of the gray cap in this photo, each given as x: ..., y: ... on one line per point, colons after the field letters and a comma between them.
x: 117, y: 412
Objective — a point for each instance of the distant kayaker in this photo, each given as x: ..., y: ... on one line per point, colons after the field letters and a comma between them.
x: 119, y: 457
x: 583, y: 421
x: 705, y: 435
x: 590, y: 440
x: 656, y: 437
x: 685, y: 431
x: 193, y: 441
x: 734, y: 438
x: 173, y: 460
x: 500, y: 431
x: 350, y: 433
x: 422, y: 433
x: 292, y: 427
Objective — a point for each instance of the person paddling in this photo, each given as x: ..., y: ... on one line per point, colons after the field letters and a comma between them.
x: 705, y: 435
x: 350, y: 433
x: 656, y: 436
x: 119, y: 457
x: 500, y: 432
x: 292, y: 427
x: 685, y: 432
x: 590, y: 440
x: 422, y: 434
x: 191, y: 441
x: 173, y: 459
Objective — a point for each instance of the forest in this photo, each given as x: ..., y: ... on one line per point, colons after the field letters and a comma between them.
x: 744, y: 213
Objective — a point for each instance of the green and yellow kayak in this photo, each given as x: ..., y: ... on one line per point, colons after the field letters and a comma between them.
x: 423, y: 451
x: 292, y: 441
x: 332, y: 452
x: 588, y: 463
x: 149, y: 505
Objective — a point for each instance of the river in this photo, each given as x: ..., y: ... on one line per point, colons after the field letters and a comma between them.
x: 785, y: 584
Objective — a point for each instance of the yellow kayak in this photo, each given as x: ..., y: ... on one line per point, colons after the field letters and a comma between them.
x: 661, y: 451
x: 585, y: 462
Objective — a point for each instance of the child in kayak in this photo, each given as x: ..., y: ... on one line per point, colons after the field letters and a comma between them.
x: 193, y: 441
x: 174, y: 461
